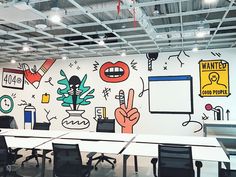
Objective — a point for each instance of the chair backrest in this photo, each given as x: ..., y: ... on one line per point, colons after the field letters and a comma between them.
x: 67, y: 160
x: 3, y: 151
x: 41, y: 126
x: 6, y: 121
x: 106, y: 125
x: 175, y: 161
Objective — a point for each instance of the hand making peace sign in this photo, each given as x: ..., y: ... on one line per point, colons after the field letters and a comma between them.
x: 127, y: 116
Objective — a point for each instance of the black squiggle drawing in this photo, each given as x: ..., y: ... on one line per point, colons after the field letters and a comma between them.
x: 106, y: 92
x: 23, y: 103
x: 143, y: 90
x: 33, y: 96
x: 205, y: 117
x: 47, y: 113
x: 185, y: 123
x: 71, y: 65
x: 133, y: 65
x: 227, y: 114
x: 95, y: 65
x: 13, y: 95
x: 49, y: 81
x: 177, y: 56
x: 216, y: 54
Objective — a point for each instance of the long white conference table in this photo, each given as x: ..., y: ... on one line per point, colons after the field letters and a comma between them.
x: 203, y: 148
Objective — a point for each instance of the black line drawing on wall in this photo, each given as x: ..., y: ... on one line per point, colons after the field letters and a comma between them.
x: 95, y: 66
x: 33, y: 96
x: 106, y: 92
x: 49, y: 81
x: 205, y: 117
x: 165, y: 66
x: 47, y: 116
x: 151, y: 57
x: 70, y: 65
x: 13, y: 95
x: 23, y: 103
x: 227, y: 114
x: 178, y: 57
x: 185, y: 123
x: 143, y: 88
x: 74, y: 64
x: 216, y: 54
x: 134, y: 65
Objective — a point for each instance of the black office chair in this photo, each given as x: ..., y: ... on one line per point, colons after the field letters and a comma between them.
x: 174, y: 161
x: 68, y: 162
x: 7, y: 157
x: 34, y: 153
x: 7, y: 122
x: 108, y: 126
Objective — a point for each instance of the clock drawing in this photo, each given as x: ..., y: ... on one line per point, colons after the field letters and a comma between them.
x: 6, y: 104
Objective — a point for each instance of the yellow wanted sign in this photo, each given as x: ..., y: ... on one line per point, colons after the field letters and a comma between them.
x: 214, y: 78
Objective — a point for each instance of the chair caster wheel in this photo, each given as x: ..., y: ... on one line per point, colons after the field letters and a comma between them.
x: 37, y: 165
x: 50, y: 161
x: 96, y: 168
x: 114, y: 161
x: 113, y: 167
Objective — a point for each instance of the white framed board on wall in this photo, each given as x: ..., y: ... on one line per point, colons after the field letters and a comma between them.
x: 171, y: 94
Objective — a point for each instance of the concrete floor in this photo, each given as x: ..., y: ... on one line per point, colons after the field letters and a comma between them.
x: 104, y: 169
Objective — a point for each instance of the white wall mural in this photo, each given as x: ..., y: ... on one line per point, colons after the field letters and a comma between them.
x: 89, y: 87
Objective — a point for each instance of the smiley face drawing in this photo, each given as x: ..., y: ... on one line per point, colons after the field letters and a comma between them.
x: 114, y: 72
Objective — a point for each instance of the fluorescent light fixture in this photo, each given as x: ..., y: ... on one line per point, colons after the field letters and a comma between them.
x: 13, y: 61
x: 25, y: 47
x: 55, y: 15
x: 202, y: 32
x: 156, y: 10
x: 64, y: 57
x: 123, y: 54
x: 41, y: 26
x: 210, y: 1
x: 195, y: 49
x: 101, y: 43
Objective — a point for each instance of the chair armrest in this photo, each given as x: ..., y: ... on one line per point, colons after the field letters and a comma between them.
x: 91, y: 154
x: 90, y: 157
x: 154, y: 162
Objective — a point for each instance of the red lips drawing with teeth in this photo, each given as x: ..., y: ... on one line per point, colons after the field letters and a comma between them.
x: 114, y: 72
